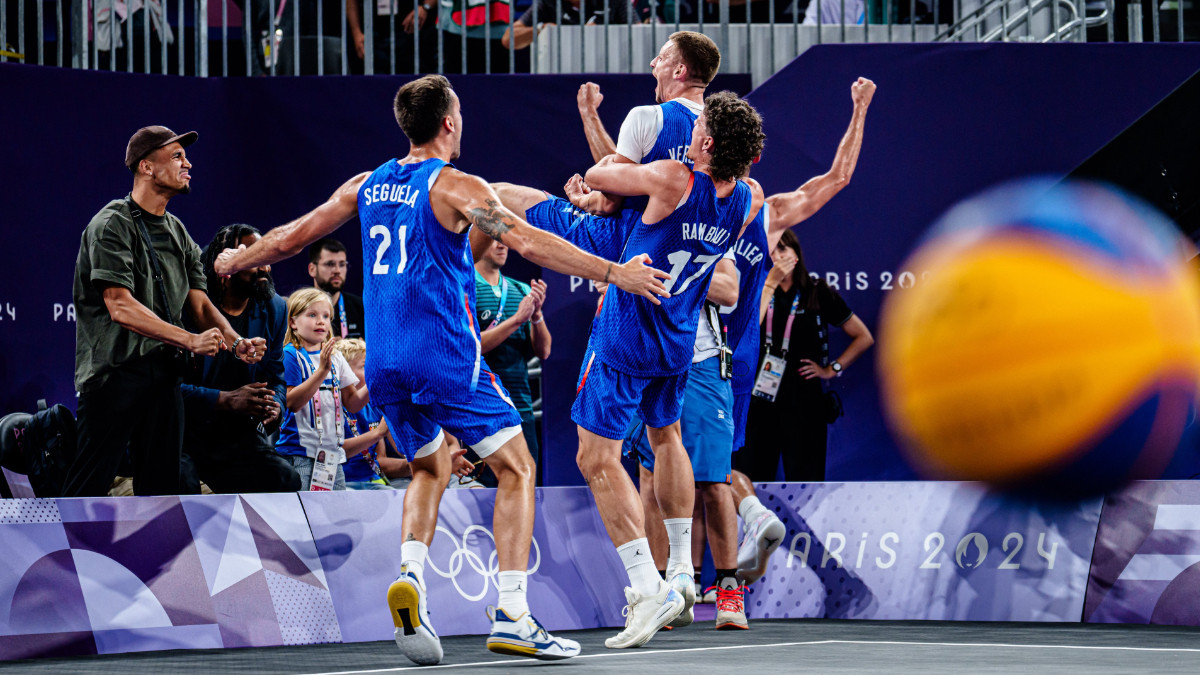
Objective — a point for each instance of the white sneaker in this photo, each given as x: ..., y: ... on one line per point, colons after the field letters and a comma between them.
x: 645, y: 615
x: 685, y: 584
x: 763, y: 536
x: 524, y: 636
x: 415, y: 636
x: 709, y: 597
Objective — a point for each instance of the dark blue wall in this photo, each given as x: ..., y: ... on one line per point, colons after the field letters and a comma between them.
x: 947, y: 121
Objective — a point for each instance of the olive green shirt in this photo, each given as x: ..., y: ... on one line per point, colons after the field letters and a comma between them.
x: 112, y: 251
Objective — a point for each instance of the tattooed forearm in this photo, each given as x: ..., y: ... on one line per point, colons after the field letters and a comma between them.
x: 493, y: 219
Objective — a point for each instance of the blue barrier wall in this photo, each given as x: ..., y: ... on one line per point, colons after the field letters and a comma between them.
x: 947, y: 121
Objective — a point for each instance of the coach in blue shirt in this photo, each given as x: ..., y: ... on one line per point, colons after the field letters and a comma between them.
x: 231, y: 409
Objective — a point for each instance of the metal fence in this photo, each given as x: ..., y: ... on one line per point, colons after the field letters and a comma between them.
x: 285, y: 37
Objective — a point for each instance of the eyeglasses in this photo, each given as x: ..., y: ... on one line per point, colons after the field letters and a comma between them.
x: 332, y: 265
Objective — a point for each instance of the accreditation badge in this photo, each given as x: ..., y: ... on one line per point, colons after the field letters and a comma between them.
x: 323, y: 475
x: 769, y: 376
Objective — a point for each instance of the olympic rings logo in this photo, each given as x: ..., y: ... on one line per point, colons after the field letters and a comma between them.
x: 488, y: 572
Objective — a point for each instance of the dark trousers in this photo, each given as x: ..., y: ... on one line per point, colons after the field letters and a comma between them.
x: 791, y: 427
x: 139, y: 408
x: 242, y: 461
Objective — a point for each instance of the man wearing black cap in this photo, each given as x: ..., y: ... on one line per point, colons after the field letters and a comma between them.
x: 136, y: 272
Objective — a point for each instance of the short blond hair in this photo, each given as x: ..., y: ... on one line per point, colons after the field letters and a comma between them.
x: 351, y: 348
x: 297, y: 304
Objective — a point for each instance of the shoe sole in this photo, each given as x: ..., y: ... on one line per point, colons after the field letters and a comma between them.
x: 416, y: 641
x: 688, y: 615
x: 732, y: 625
x: 763, y: 553
x: 662, y: 620
x: 523, y: 648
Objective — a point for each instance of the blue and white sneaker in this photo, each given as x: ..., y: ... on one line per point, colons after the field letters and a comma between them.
x: 415, y: 636
x: 684, y: 583
x: 524, y: 636
x: 645, y: 615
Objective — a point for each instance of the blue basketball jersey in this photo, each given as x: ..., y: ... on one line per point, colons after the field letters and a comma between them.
x: 418, y: 291
x: 753, y: 263
x: 637, y: 337
x: 675, y: 135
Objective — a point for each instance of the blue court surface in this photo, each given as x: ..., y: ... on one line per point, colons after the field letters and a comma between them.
x: 819, y: 646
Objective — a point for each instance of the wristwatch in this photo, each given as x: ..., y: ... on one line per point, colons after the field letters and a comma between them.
x: 837, y: 368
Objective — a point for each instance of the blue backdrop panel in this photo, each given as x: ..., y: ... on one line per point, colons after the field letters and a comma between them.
x: 947, y: 121
x: 269, y: 150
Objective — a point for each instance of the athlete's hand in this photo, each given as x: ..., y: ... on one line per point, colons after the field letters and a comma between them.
x: 589, y: 96
x: 861, y: 92
x: 207, y: 343
x: 224, y: 264
x: 577, y: 191
x: 639, y: 278
x: 326, y: 361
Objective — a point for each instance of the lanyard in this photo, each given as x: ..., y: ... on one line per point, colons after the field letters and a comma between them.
x: 502, y: 294
x: 787, y: 331
x: 315, y: 404
x: 372, y: 456
x: 342, y: 314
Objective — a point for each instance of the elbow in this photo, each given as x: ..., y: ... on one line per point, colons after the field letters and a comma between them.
x: 868, y: 341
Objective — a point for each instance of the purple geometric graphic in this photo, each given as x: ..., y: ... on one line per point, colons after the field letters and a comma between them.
x: 575, y: 581
x: 1147, y: 563
x: 923, y: 551
x: 247, y: 615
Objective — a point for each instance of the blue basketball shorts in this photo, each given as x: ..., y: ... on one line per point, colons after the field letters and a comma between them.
x: 486, y: 422
x: 607, y: 399
x: 706, y: 425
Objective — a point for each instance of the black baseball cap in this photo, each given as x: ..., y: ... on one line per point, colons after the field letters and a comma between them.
x: 149, y: 139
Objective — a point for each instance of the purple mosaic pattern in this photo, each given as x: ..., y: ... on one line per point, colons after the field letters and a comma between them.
x: 923, y: 551
x: 576, y: 578
x: 1147, y: 563
x: 86, y: 576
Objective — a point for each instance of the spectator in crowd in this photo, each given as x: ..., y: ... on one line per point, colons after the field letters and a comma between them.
x: 373, y: 462
x: 322, y: 391
x: 513, y: 331
x: 482, y: 23
x: 412, y: 26
x: 574, y: 12
x: 279, y: 18
x: 327, y: 265
x: 796, y: 313
x: 130, y: 346
x: 232, y: 408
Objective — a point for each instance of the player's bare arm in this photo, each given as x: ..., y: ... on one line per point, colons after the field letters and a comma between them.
x: 475, y: 203
x: 287, y: 240
x: 791, y: 208
x: 723, y: 288
x: 599, y: 142
x: 664, y: 181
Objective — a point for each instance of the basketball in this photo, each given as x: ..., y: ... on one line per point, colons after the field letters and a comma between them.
x: 1052, y: 341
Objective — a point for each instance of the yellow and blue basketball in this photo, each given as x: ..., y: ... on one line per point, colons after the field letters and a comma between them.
x: 1053, y: 344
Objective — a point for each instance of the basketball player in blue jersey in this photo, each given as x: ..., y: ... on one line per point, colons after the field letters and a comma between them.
x: 606, y: 236
x: 639, y: 354
x: 419, y: 292
x: 682, y: 70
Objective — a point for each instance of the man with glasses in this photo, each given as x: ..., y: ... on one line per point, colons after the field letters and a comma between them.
x: 327, y: 266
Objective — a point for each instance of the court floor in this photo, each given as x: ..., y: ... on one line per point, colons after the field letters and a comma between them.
x: 824, y: 646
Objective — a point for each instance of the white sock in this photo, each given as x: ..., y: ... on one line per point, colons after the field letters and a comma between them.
x: 751, y: 509
x: 413, y: 554
x: 679, y: 534
x: 639, y: 564
x: 512, y: 593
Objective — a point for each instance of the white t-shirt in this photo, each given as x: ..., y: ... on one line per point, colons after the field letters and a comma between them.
x: 707, y: 344
x: 298, y: 433
x: 639, y: 131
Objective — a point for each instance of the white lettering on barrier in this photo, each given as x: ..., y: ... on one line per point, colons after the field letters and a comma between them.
x: 832, y: 553
x: 11, y: 311
x: 1048, y: 555
x: 887, y: 549
x: 792, y: 549
x: 61, y: 309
